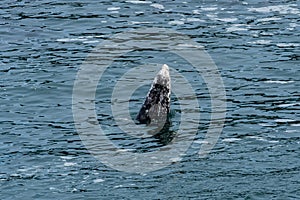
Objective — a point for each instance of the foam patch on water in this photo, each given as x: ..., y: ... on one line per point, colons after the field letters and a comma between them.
x: 158, y: 6
x: 212, y: 16
x: 139, y: 2
x: 194, y: 20
x: 201, y: 142
x: 183, y: 21
x: 25, y: 169
x: 190, y: 45
x: 231, y: 139
x: 288, y: 105
x: 52, y: 188
x: 113, y: 8
x: 279, y: 81
x: 267, y: 19
x: 209, y: 8
x: 99, y: 180
x: 284, y: 120
x: 287, y: 45
x: 296, y: 124
x: 266, y: 125
x: 118, y: 186
x: 262, y: 42
x: 262, y: 139
x: 69, y: 164
x: 124, y: 150
x: 91, y: 42
x: 71, y: 39
x: 291, y: 131
x: 176, y: 159
x: 196, y: 12
x: 66, y: 157
x: 293, y: 25
x: 236, y: 27
x: 176, y: 22
x: 272, y: 141
x: 83, y: 39
x: 227, y: 19
x: 282, y: 9
x: 136, y: 22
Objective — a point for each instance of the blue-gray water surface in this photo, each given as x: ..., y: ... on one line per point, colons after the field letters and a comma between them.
x: 255, y: 45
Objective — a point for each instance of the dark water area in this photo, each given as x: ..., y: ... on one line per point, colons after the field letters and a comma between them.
x: 255, y: 45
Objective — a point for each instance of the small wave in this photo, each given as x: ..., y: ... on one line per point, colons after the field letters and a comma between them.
x: 266, y: 124
x: 231, y: 139
x: 262, y: 42
x: 196, y: 12
x: 209, y: 8
x: 291, y: 131
x: 297, y: 124
x: 71, y: 39
x: 236, y: 28
x: 66, y: 157
x: 287, y: 45
x: 194, y: 20
x: 262, y: 139
x: 99, y: 180
x: 269, y: 19
x: 139, y: 2
x: 91, y: 42
x: 282, y: 9
x: 113, y: 8
x: 176, y: 22
x: 158, y: 6
x: 136, y: 22
x: 227, y: 19
x: 279, y: 81
x: 288, y: 105
x: 69, y: 164
x: 284, y: 120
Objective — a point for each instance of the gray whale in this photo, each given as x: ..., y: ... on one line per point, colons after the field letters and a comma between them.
x: 156, y: 107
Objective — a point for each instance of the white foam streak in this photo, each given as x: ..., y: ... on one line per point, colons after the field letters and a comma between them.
x: 139, y: 2
x: 158, y: 6
x: 282, y: 9
x: 279, y: 81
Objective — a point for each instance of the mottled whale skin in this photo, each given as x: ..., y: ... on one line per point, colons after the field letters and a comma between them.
x: 156, y: 106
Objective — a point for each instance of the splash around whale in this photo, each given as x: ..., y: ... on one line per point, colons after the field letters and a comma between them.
x: 156, y: 107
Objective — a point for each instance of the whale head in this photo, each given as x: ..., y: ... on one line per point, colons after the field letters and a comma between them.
x: 156, y: 106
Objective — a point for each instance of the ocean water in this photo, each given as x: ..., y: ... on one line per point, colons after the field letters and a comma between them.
x: 254, y: 44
